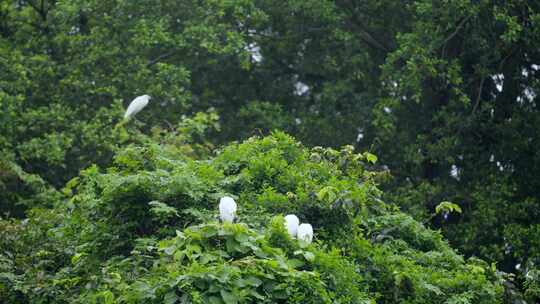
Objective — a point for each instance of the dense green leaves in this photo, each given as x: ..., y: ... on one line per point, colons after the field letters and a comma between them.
x: 443, y: 92
x: 146, y: 231
x: 459, y: 123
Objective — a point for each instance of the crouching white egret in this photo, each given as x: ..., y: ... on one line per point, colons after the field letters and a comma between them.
x: 291, y: 223
x: 227, y: 209
x: 305, y: 233
x: 136, y: 106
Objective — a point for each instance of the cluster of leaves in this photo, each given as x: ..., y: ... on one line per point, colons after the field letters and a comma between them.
x: 67, y: 68
x: 146, y: 231
x: 214, y: 263
x: 459, y: 122
x: 444, y: 92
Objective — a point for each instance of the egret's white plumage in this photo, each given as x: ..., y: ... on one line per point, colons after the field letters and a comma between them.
x: 136, y: 106
x: 227, y: 209
x: 305, y: 233
x: 291, y: 223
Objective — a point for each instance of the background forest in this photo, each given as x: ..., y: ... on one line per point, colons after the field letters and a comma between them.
x: 444, y: 93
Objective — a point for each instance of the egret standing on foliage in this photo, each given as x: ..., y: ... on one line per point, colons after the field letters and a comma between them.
x: 291, y: 223
x: 136, y: 106
x: 227, y: 209
x: 305, y: 233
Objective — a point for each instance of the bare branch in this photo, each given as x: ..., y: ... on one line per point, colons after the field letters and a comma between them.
x: 365, y: 35
x: 479, y: 95
x: 171, y: 127
x: 454, y: 33
x: 160, y: 57
x: 503, y: 61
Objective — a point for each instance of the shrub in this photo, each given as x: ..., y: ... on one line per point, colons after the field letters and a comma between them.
x: 146, y: 231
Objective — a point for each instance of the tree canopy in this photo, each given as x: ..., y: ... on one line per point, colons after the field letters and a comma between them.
x: 443, y: 92
x: 146, y: 230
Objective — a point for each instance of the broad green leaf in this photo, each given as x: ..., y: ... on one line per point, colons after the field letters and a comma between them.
x: 228, y: 297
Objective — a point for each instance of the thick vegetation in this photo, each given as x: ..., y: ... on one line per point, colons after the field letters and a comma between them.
x: 443, y: 92
x: 146, y: 231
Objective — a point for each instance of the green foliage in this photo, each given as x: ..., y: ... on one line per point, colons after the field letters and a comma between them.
x: 216, y: 263
x: 162, y: 211
x: 457, y: 122
x: 146, y: 231
x: 20, y: 190
x: 447, y: 207
x: 532, y: 285
x: 443, y: 92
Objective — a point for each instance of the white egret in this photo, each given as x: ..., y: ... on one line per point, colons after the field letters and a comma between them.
x: 227, y: 209
x: 305, y: 233
x: 291, y: 223
x: 136, y: 106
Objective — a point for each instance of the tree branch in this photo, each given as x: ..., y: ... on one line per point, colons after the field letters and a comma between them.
x: 365, y: 35
x: 367, y: 38
x: 160, y: 57
x: 479, y: 95
x: 454, y: 33
x: 503, y: 61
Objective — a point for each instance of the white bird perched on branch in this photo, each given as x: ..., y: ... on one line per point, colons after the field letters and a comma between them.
x: 227, y: 209
x: 136, y: 106
x: 305, y: 233
x: 291, y: 223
